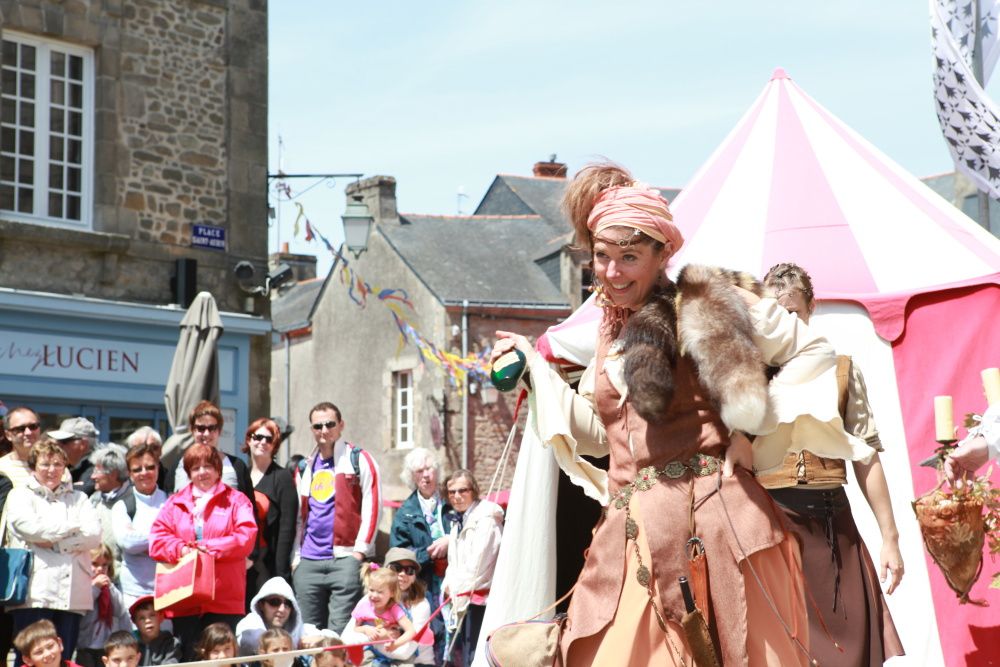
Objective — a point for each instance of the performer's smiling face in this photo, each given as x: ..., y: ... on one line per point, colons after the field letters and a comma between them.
x: 627, y: 267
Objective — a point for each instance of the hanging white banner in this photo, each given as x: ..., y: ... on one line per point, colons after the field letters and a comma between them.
x: 969, y: 118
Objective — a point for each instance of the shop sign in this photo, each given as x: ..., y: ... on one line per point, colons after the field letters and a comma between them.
x: 31, y: 354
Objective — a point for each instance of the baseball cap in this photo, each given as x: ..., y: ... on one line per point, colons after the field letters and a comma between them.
x: 397, y: 554
x: 73, y: 428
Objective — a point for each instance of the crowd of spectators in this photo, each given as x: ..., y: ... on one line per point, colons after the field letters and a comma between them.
x: 293, y: 548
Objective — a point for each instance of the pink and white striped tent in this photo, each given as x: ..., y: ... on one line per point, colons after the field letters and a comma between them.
x: 907, y: 284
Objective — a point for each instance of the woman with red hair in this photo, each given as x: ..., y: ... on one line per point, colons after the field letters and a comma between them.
x: 212, y: 517
x: 276, y: 503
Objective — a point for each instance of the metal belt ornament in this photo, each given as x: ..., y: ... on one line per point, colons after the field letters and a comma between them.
x: 701, y: 465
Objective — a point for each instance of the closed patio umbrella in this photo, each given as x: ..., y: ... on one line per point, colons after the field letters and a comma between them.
x: 194, y: 373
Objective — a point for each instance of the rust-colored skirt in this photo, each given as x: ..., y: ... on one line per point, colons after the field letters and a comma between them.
x: 842, y: 580
x: 634, y: 637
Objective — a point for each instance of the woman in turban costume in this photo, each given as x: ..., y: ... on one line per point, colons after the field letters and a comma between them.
x: 677, y: 375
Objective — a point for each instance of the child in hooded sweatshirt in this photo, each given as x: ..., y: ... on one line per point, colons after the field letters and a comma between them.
x: 109, y: 613
x: 274, y: 606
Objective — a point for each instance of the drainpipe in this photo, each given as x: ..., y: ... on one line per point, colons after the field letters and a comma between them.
x: 288, y: 392
x: 465, y: 386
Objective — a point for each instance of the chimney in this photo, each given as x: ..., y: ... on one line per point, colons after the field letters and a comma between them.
x: 550, y: 169
x: 303, y: 266
x: 379, y: 194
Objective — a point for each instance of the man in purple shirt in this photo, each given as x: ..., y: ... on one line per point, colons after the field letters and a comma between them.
x: 341, y: 503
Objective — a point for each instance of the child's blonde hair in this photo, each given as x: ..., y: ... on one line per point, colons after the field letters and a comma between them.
x: 104, y: 551
x: 34, y: 633
x: 372, y: 575
x: 324, y: 658
x: 270, y: 637
x: 213, y: 636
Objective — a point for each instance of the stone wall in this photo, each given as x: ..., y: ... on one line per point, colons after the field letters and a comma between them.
x: 180, y: 137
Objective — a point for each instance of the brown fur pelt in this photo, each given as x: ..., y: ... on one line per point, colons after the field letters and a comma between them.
x: 649, y: 340
x: 709, y: 322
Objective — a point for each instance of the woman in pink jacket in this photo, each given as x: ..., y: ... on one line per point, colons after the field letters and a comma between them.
x: 209, y: 516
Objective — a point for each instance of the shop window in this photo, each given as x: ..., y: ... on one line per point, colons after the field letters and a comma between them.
x: 46, y: 131
x: 402, y: 409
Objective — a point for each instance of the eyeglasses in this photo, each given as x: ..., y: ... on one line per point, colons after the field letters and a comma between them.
x: 206, y: 428
x: 31, y: 426
x: 405, y: 569
x: 322, y: 425
x: 262, y: 437
x: 50, y: 465
x: 138, y: 469
x: 459, y: 492
x: 277, y: 602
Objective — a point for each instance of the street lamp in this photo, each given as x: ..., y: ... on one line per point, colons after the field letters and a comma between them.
x: 357, y: 225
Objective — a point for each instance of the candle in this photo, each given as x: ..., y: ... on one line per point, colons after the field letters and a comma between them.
x: 944, y: 427
x: 991, y: 385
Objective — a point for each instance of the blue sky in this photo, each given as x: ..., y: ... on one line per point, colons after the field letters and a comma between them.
x: 445, y: 95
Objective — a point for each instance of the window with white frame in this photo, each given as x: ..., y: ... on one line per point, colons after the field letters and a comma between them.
x: 46, y: 130
x: 402, y: 409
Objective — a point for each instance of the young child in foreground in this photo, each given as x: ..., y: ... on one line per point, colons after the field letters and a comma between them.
x: 121, y: 650
x: 277, y: 640
x: 157, y: 647
x: 335, y: 658
x: 312, y: 638
x: 40, y: 646
x: 217, y: 641
x: 378, y: 615
x: 108, y: 614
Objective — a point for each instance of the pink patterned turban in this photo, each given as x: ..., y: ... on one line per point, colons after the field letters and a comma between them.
x: 637, y: 206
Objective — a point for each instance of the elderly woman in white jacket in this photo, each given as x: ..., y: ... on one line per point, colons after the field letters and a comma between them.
x: 476, y: 527
x: 60, y: 526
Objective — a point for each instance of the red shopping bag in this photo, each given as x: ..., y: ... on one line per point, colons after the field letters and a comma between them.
x: 183, y: 587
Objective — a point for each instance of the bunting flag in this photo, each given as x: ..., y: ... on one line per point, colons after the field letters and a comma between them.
x: 396, y: 299
x: 969, y: 118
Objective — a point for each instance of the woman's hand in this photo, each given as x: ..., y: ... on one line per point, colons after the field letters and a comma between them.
x: 438, y: 548
x: 738, y: 453
x: 507, y: 341
x: 892, y: 561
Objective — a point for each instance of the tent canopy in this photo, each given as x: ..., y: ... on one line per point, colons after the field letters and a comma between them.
x: 792, y: 183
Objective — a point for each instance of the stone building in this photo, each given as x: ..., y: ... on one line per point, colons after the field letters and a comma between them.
x: 133, y: 153
x: 507, y: 266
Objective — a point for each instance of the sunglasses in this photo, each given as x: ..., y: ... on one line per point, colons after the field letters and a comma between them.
x: 459, y: 492
x: 32, y: 426
x: 262, y: 437
x: 138, y: 469
x: 405, y: 569
x: 277, y: 602
x: 206, y: 428
x: 322, y: 425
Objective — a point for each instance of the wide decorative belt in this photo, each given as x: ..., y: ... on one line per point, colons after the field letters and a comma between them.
x: 700, y: 465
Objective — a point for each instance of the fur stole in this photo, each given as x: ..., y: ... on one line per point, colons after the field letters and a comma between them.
x: 703, y: 318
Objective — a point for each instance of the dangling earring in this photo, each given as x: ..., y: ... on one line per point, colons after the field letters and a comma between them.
x: 597, y: 288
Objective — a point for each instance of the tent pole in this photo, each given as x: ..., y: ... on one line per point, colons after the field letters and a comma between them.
x: 977, y: 70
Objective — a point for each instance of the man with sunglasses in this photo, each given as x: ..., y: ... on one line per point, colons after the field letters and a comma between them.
x: 341, y: 503
x: 274, y: 606
x: 22, y: 428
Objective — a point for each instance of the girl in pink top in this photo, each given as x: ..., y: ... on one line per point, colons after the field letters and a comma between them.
x: 378, y: 615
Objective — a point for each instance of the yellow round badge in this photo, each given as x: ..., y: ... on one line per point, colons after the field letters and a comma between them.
x: 322, y: 486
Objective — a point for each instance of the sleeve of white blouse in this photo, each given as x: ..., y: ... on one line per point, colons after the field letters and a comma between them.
x: 567, y: 422
x: 803, y: 408
x: 786, y: 341
x: 858, y: 418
